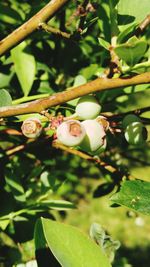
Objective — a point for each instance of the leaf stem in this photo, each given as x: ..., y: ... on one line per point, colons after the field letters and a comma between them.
x: 28, y: 98
x: 145, y: 65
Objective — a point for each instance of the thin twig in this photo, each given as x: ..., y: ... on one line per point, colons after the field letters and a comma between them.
x: 83, y: 155
x: 82, y: 9
x: 114, y: 62
x: 31, y: 25
x: 15, y: 149
x: 121, y: 115
x: 53, y: 30
x: 143, y: 25
x: 97, y: 85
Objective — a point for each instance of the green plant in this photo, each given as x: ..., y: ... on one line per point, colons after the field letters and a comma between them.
x: 91, y: 136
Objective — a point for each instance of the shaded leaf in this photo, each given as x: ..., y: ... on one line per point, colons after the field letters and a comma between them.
x: 103, y: 189
x: 134, y: 195
x: 9, y: 15
x: 15, y: 185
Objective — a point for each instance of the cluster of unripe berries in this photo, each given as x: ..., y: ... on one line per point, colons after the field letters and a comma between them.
x: 88, y: 130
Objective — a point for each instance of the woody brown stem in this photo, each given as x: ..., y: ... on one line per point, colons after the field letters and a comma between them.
x: 97, y: 85
x: 31, y: 25
x: 143, y: 25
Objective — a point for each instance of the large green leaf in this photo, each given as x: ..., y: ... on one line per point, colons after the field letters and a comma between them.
x: 25, y: 66
x: 5, y: 98
x: 135, y: 8
x: 132, y: 51
x: 134, y: 195
x: 71, y: 247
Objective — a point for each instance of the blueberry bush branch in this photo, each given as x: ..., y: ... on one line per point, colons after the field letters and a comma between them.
x: 84, y: 155
x: 96, y: 85
x: 31, y: 25
x: 53, y: 30
x: 143, y: 25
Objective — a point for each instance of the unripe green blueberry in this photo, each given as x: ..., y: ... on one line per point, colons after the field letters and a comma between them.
x: 134, y: 133
x: 70, y: 133
x: 128, y: 119
x: 94, y: 137
x: 32, y: 127
x: 87, y: 107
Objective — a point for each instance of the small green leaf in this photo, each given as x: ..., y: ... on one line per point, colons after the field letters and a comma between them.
x: 104, y: 43
x: 25, y: 66
x: 90, y: 70
x: 4, y: 224
x: 79, y: 80
x: 122, y: 37
x: 5, y: 98
x: 134, y: 195
x: 132, y: 51
x: 71, y: 247
x: 5, y: 79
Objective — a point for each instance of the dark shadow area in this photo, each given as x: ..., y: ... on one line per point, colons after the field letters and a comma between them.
x: 46, y: 258
x: 137, y: 256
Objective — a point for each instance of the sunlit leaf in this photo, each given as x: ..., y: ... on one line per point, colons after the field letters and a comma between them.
x: 136, y: 8
x: 5, y: 98
x: 134, y: 195
x: 71, y: 247
x: 4, y: 223
x: 25, y: 66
